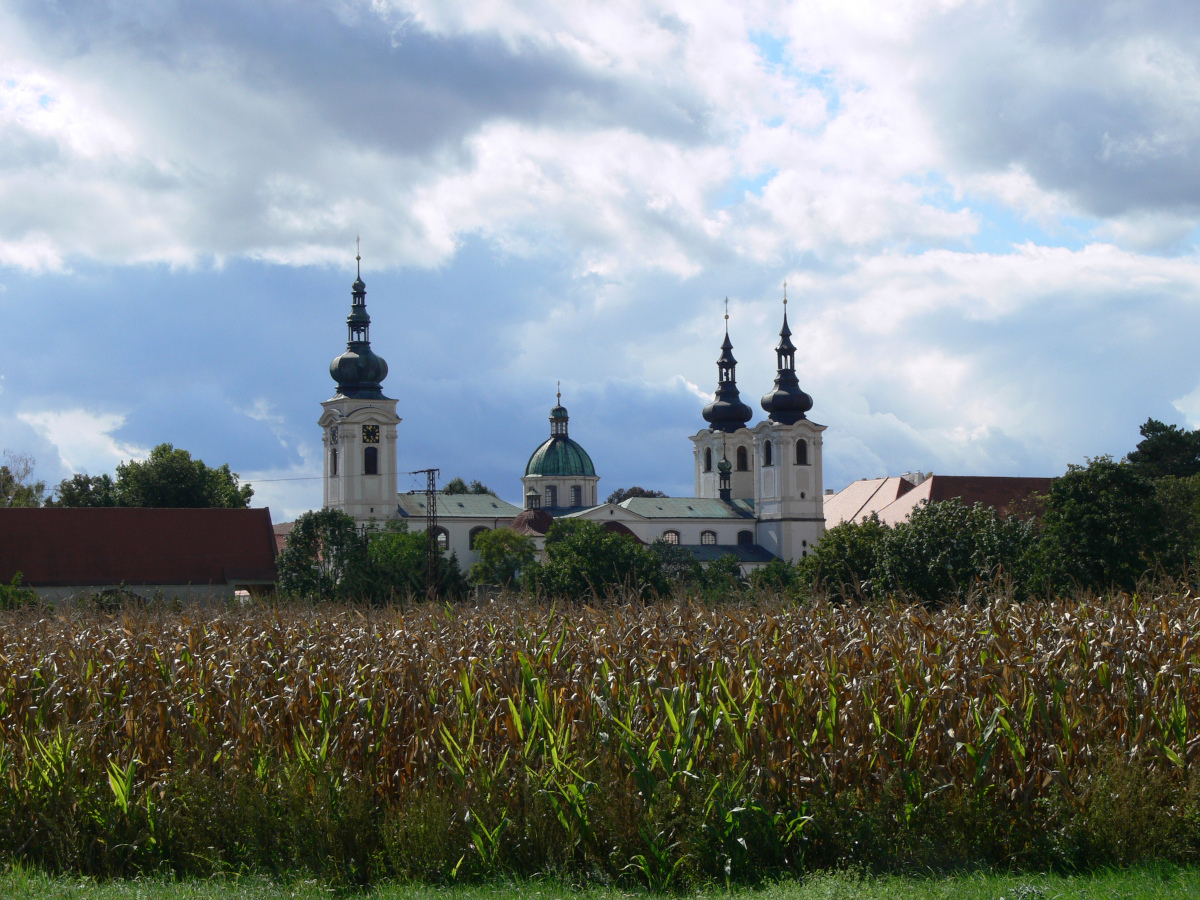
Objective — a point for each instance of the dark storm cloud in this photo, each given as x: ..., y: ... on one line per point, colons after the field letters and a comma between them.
x: 380, y: 84
x: 1098, y: 100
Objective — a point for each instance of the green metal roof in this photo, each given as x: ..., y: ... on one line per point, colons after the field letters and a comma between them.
x: 560, y: 456
x: 689, y: 508
x: 746, y: 553
x: 450, y: 506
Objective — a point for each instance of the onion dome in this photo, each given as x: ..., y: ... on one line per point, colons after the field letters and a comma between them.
x: 559, y: 455
x: 727, y: 412
x: 359, y: 371
x: 785, y: 402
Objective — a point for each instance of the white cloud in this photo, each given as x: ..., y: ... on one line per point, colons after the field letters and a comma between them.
x: 84, y: 439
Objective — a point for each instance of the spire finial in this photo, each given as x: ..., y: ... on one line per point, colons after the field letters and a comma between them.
x: 727, y: 315
x: 785, y: 293
x: 560, y: 393
x: 358, y: 255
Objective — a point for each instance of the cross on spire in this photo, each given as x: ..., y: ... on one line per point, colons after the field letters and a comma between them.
x: 785, y: 293
x: 358, y: 254
x: 560, y: 393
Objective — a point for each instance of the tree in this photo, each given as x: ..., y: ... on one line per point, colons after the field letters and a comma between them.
x: 945, y: 550
x: 17, y: 487
x: 1166, y: 450
x: 585, y: 561
x: 171, y: 478
x: 458, y: 486
x: 621, y: 494
x: 1103, y: 528
x: 85, y: 490
x: 1180, y: 502
x: 846, y: 561
x: 503, y: 556
x: 399, y: 566
x: 325, y: 557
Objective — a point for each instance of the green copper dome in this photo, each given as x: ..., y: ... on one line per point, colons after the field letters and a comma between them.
x: 560, y: 456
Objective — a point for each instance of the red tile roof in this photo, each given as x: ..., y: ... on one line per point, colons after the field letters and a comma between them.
x: 996, y: 491
x: 282, y: 530
x: 136, y: 546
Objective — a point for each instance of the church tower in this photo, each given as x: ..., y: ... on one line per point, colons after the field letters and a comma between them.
x: 726, y: 435
x: 788, y: 490
x: 359, y: 423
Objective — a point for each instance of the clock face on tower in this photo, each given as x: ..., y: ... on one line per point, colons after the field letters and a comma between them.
x: 370, y: 434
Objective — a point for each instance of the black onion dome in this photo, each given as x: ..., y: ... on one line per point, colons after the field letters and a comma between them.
x: 359, y: 371
x: 727, y: 412
x: 785, y: 402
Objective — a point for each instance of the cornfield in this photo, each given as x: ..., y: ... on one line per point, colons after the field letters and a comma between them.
x: 651, y: 743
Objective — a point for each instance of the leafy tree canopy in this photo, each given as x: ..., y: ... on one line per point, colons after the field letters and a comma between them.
x: 458, y: 486
x: 1166, y: 450
x: 171, y: 478
x: 585, y: 561
x: 503, y: 556
x: 1103, y: 527
x: 17, y: 484
x: 621, y: 494
x: 85, y: 490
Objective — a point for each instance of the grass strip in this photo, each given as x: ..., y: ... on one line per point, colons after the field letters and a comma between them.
x: 1159, y: 882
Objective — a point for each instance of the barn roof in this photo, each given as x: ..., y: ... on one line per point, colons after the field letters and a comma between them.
x: 85, y: 547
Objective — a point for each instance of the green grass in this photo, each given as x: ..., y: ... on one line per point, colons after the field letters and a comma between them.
x: 1149, y: 883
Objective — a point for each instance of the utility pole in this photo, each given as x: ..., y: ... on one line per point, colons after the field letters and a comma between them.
x: 433, y: 554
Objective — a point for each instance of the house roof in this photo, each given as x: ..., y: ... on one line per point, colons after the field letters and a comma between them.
x: 859, y: 499
x: 93, y: 547
x: 745, y: 553
x: 460, y: 506
x: 282, y: 530
x: 995, y: 491
x: 688, y: 508
x: 894, y: 499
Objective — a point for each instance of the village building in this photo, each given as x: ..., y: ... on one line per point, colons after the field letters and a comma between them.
x: 185, y: 554
x: 758, y: 489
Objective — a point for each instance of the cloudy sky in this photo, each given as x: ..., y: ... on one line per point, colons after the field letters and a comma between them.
x: 986, y: 214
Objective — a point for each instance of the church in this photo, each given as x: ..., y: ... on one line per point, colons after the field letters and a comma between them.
x: 758, y: 490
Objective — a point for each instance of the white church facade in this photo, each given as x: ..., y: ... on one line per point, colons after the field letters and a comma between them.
x: 758, y: 489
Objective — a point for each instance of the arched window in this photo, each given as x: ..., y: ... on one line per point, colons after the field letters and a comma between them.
x: 767, y: 456
x: 551, y: 495
x: 746, y: 538
x: 333, y: 461
x: 671, y: 537
x: 802, y: 453
x: 576, y: 495
x: 476, y: 532
x: 743, y: 461
x: 708, y: 459
x: 442, y: 536
x: 708, y: 537
x: 371, y: 461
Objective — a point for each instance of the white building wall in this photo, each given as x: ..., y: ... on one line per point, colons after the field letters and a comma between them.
x: 361, y: 496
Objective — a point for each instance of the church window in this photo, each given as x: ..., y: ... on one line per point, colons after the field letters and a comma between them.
x: 333, y: 461
x: 576, y: 495
x: 371, y: 461
x: 802, y: 453
x: 708, y: 459
x: 671, y: 537
x: 767, y: 460
x: 442, y: 536
x: 476, y: 532
x: 708, y: 538
x: 746, y: 538
x: 743, y: 460
x: 551, y: 495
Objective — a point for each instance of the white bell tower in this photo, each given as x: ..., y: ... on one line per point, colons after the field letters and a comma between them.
x: 359, y: 424
x: 789, y: 487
